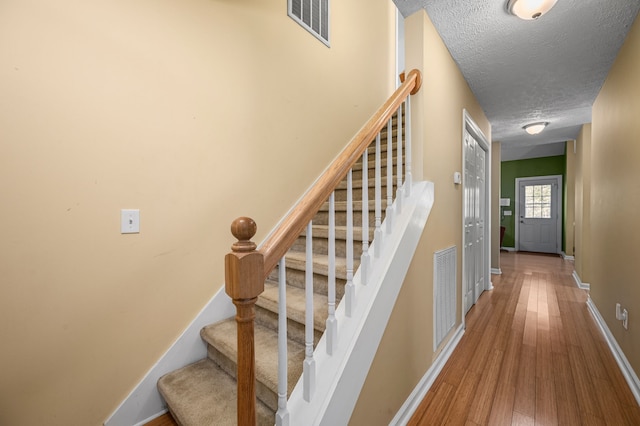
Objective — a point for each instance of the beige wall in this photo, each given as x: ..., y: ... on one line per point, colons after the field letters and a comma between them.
x: 193, y: 111
x: 570, y: 198
x: 406, y: 351
x: 615, y: 196
x: 495, y: 205
x: 582, y: 173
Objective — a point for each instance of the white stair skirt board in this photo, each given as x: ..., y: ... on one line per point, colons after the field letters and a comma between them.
x: 144, y: 403
x: 565, y: 256
x: 496, y: 271
x: 342, y: 375
x: 579, y: 283
x: 410, y: 406
x: 626, y: 369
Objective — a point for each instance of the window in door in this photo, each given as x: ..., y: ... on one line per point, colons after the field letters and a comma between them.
x: 537, y: 202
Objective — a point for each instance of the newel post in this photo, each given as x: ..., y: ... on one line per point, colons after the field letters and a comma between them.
x: 244, y: 283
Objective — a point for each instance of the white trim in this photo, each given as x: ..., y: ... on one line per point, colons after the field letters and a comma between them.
x: 496, y: 271
x: 415, y: 398
x: 558, y: 179
x: 509, y: 249
x: 565, y: 256
x: 626, y: 369
x: 579, y: 283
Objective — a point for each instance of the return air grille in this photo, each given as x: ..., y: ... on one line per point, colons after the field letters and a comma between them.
x: 313, y: 15
x: 444, y: 287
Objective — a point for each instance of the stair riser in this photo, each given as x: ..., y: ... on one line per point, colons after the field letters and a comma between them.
x: 321, y: 246
x: 263, y: 393
x: 341, y: 194
x: 297, y: 278
x: 322, y: 217
x: 295, y: 330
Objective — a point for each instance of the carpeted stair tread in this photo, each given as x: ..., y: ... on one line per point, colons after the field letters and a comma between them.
x: 297, y: 260
x: 357, y: 184
x: 223, y: 336
x: 341, y: 206
x: 296, y: 305
x: 322, y: 231
x: 201, y: 394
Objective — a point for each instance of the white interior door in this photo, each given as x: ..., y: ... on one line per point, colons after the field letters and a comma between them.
x: 474, y: 220
x: 480, y: 220
x: 539, y: 224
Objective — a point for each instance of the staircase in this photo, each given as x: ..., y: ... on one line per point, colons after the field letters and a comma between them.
x: 204, y: 393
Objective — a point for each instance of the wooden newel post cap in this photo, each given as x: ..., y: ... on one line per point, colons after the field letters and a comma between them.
x: 244, y: 267
x: 243, y: 228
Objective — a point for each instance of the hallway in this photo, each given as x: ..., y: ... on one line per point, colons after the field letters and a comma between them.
x: 531, y: 354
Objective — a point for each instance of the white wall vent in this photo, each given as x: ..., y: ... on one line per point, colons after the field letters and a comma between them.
x: 313, y: 15
x: 444, y: 294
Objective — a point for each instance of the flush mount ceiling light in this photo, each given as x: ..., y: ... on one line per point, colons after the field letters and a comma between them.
x: 529, y: 9
x: 535, y: 128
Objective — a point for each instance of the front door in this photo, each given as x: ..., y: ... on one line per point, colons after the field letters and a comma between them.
x: 539, y: 214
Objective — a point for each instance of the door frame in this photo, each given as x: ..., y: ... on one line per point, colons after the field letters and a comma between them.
x: 470, y: 126
x: 558, y: 179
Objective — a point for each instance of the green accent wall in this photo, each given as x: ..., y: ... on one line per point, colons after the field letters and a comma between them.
x: 510, y: 170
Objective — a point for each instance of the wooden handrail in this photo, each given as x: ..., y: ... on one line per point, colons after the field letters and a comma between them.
x: 246, y: 268
x: 279, y: 242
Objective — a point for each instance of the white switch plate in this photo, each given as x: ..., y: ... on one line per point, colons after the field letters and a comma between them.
x: 129, y: 221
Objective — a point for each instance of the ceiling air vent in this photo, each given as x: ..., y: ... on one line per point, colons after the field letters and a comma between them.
x: 313, y: 15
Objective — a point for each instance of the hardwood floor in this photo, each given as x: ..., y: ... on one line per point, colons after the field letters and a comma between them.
x: 164, y: 420
x: 531, y: 354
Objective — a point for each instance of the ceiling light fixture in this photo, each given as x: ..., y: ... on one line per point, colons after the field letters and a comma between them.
x: 535, y: 128
x: 529, y: 9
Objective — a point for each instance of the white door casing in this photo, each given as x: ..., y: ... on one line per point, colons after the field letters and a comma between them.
x: 476, y: 211
x: 539, y: 225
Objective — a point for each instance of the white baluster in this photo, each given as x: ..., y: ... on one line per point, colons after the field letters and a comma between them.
x: 388, y: 211
x: 349, y: 289
x: 364, y: 259
x: 407, y: 179
x: 309, y: 366
x: 282, y: 415
x: 377, y: 236
x: 399, y: 170
x: 332, y: 323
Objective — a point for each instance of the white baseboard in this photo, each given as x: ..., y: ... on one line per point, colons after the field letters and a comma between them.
x: 579, y: 283
x: 403, y: 415
x: 496, y: 271
x: 509, y: 249
x: 626, y: 369
x: 565, y: 256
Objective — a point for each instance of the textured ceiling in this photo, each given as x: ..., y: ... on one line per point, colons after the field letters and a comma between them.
x: 550, y: 69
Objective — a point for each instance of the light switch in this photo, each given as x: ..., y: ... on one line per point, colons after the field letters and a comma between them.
x: 457, y: 178
x: 129, y: 221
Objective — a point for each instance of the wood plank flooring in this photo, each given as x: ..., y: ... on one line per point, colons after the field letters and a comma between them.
x: 164, y: 420
x: 531, y: 355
